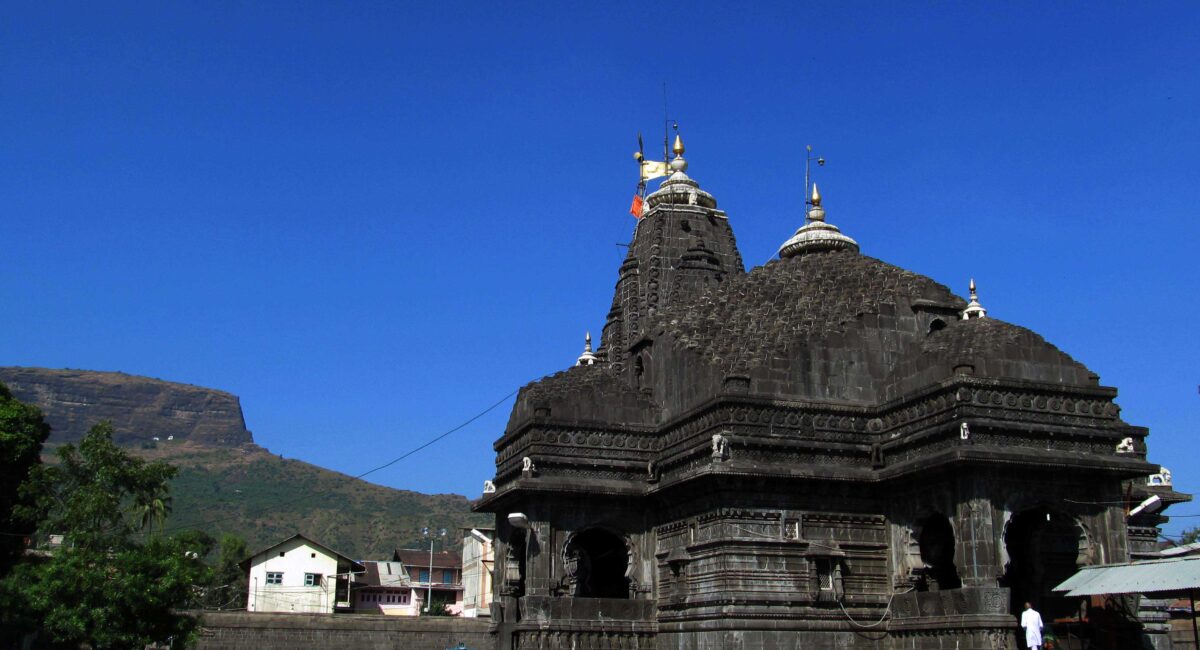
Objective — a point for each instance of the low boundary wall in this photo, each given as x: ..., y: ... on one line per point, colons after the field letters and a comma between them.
x: 264, y: 631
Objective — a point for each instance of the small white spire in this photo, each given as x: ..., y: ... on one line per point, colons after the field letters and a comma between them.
x: 974, y: 309
x: 587, y: 358
x: 816, y: 234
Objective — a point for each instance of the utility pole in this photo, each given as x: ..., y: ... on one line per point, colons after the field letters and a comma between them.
x: 429, y: 576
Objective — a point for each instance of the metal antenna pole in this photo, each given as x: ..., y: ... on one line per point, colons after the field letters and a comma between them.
x: 666, y: 121
x: 808, y: 158
x: 807, y: 175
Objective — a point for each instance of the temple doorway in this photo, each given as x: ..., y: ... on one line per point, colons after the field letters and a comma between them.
x: 936, y: 542
x: 1043, y: 550
x: 600, y: 561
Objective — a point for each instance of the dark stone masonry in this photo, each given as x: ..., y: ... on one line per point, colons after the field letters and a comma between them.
x: 825, y: 452
x: 258, y: 631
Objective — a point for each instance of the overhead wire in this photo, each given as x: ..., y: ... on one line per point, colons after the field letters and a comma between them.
x: 310, y: 495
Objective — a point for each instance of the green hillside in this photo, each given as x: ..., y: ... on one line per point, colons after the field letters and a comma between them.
x: 263, y: 498
x: 226, y: 483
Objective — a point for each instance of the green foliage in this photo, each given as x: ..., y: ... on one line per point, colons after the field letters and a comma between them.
x: 98, y: 495
x: 253, y: 494
x: 229, y: 583
x: 121, y: 599
x: 22, y: 432
x: 438, y: 606
x: 104, y: 588
x: 1190, y: 535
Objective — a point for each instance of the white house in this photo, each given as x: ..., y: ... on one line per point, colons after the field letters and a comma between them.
x: 299, y: 575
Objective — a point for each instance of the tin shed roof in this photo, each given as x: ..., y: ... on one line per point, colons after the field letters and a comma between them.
x: 1169, y: 574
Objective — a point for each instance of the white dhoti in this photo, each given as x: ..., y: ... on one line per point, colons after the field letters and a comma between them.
x: 1032, y: 622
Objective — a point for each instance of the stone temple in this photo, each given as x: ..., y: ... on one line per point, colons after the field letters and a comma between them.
x: 824, y: 452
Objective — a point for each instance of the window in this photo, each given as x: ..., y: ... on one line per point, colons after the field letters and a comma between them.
x: 312, y: 580
x: 424, y: 576
x: 404, y: 598
x: 825, y: 574
x: 447, y: 576
x: 274, y: 577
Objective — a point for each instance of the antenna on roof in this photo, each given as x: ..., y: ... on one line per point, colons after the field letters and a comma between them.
x: 666, y: 121
x: 808, y: 158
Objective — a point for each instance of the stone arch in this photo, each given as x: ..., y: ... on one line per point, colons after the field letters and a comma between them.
x: 1041, y: 547
x: 599, y: 563
x: 936, y: 544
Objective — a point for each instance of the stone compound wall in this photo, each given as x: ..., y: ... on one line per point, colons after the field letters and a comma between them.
x: 247, y: 631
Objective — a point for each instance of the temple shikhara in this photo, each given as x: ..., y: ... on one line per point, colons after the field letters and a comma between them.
x: 826, y: 451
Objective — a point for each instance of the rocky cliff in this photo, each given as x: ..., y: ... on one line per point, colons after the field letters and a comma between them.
x: 140, y: 408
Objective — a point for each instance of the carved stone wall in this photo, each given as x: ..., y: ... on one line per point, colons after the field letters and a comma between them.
x: 771, y: 447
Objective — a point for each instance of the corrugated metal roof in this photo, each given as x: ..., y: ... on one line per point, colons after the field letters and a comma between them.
x: 1186, y: 549
x: 1171, y: 574
x: 383, y: 574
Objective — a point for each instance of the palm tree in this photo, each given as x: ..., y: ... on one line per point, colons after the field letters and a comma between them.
x: 152, y: 508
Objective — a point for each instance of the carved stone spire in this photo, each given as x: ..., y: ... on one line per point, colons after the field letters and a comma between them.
x: 816, y: 235
x: 974, y: 309
x: 682, y: 245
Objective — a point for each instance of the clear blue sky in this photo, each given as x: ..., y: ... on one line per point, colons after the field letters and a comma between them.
x: 371, y: 221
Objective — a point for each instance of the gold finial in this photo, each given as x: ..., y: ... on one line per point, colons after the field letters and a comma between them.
x: 816, y: 197
x: 678, y: 148
x: 972, y: 288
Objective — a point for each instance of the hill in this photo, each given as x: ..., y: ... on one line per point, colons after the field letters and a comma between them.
x: 139, y: 408
x: 226, y: 483
x: 264, y: 498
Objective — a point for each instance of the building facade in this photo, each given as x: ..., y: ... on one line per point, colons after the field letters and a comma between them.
x: 299, y: 575
x: 827, y: 451
x: 436, y: 578
x: 384, y: 588
x: 478, y: 561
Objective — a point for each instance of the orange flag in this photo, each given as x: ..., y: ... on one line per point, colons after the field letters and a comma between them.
x: 637, y: 207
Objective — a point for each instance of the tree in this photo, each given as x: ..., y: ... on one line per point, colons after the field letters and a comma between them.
x: 89, y: 496
x: 104, y: 588
x: 229, y: 582
x: 22, y: 432
x: 1190, y: 535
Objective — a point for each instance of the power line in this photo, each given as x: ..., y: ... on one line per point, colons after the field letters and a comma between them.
x: 310, y: 495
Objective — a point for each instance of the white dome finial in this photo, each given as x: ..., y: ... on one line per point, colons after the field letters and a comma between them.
x: 974, y: 309
x: 587, y: 358
x: 816, y: 235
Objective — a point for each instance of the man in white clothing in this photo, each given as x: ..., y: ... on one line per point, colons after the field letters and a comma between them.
x: 1032, y: 622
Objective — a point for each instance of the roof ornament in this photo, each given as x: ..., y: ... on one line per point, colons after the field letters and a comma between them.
x: 808, y: 173
x: 679, y: 189
x: 587, y: 358
x: 974, y: 309
x: 678, y: 165
x: 816, y: 235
